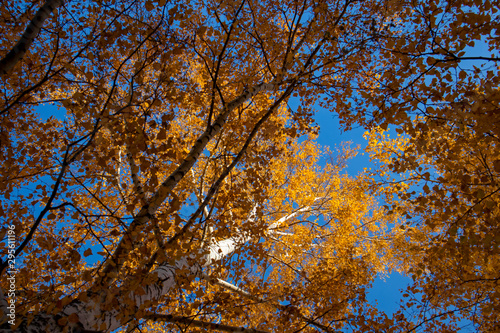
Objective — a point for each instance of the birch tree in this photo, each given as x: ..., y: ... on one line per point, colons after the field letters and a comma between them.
x: 177, y: 185
x: 171, y: 188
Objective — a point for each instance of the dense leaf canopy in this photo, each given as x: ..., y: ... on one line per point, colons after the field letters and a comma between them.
x: 178, y: 186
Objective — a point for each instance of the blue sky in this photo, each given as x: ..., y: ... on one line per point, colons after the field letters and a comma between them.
x: 386, y: 292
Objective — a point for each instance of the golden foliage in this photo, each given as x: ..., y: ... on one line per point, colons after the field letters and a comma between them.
x: 178, y: 185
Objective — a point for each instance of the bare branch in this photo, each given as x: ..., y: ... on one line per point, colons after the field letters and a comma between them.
x: 146, y: 213
x: 243, y: 293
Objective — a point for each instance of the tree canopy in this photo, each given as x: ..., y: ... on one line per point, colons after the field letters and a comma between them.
x: 179, y: 186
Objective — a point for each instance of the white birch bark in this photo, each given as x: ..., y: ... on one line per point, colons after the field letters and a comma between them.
x: 148, y: 210
x: 134, y: 170
x: 92, y: 319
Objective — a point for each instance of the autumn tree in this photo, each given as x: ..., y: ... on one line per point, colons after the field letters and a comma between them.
x: 441, y: 169
x: 179, y: 187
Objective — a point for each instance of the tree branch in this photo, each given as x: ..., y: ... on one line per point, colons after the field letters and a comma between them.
x: 243, y: 293
x: 134, y: 170
x: 18, y: 51
x: 146, y: 213
x: 201, y: 324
